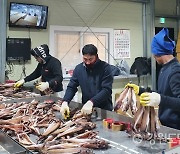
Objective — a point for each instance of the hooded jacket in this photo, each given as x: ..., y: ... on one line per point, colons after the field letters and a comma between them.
x: 50, y: 70
x: 95, y: 84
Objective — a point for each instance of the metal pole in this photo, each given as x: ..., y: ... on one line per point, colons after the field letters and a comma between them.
x: 144, y: 30
x: 153, y: 62
x: 3, y: 10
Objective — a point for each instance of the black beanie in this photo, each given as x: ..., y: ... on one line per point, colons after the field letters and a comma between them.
x: 41, y: 51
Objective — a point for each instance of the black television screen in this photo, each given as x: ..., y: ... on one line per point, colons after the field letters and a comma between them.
x: 18, y: 49
x: 28, y: 15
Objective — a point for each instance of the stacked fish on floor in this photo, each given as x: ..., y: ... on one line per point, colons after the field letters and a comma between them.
x: 7, y: 92
x: 126, y: 100
x: 37, y: 127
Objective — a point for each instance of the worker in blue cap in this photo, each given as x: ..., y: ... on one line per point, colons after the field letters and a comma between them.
x: 167, y: 96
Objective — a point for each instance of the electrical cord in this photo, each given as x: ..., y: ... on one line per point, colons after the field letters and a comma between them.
x: 29, y: 32
x: 23, y: 74
x: 9, y: 69
x: 24, y: 69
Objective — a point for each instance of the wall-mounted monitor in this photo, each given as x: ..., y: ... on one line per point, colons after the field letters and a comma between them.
x: 18, y: 49
x: 28, y: 15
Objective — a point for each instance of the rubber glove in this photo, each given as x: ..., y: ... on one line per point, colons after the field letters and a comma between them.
x: 65, y: 110
x: 42, y: 86
x: 19, y: 83
x: 87, y: 108
x: 150, y: 99
x: 134, y: 86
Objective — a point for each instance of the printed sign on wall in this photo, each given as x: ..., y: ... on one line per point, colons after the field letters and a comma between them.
x: 121, y: 44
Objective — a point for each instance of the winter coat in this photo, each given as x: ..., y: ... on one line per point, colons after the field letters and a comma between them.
x: 95, y: 84
x: 169, y: 89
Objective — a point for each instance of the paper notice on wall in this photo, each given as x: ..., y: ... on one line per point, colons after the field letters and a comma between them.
x: 121, y: 44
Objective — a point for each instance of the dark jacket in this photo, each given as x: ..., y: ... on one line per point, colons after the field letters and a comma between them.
x: 169, y: 88
x: 51, y: 72
x: 95, y: 84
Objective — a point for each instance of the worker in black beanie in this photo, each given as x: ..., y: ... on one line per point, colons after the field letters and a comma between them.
x: 48, y: 68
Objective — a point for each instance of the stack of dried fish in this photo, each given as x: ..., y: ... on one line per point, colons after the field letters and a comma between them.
x: 146, y: 124
x: 8, y: 92
x: 127, y: 100
x: 37, y: 126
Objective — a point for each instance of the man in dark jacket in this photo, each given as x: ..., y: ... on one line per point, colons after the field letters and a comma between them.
x: 168, y: 96
x: 95, y: 80
x: 48, y: 68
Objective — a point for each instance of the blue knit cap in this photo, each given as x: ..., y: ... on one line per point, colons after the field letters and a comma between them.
x: 162, y: 44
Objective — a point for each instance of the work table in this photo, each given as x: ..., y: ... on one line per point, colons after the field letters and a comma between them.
x: 119, y: 141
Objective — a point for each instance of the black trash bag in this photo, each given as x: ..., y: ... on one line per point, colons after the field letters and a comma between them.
x: 141, y: 66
